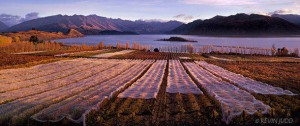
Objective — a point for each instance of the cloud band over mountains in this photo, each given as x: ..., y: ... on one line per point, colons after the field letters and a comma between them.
x: 183, y: 17
x: 11, y: 20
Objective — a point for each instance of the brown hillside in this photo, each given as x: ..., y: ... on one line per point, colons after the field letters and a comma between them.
x: 42, y: 35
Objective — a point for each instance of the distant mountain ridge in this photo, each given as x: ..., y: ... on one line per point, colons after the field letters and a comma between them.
x: 239, y: 25
x: 234, y: 25
x: 293, y: 18
x: 3, y: 27
x: 94, y: 24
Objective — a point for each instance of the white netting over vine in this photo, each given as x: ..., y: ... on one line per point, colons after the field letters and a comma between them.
x: 179, y: 81
x: 244, y: 82
x: 107, y: 55
x: 76, y: 107
x: 233, y: 100
x: 148, y: 85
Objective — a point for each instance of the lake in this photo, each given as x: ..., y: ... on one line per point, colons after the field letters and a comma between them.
x: 267, y: 42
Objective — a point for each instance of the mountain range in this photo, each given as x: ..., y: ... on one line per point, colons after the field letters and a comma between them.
x: 93, y: 24
x: 233, y: 25
x: 3, y: 26
x: 239, y: 25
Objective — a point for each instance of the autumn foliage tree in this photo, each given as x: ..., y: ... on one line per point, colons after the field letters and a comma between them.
x: 190, y: 48
x: 118, y: 46
x: 273, y: 49
x: 127, y: 46
x: 101, y: 45
x: 34, y: 39
x: 16, y: 39
x: 5, y: 40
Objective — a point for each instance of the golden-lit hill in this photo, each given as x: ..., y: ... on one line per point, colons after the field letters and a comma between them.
x: 42, y: 35
x: 74, y: 33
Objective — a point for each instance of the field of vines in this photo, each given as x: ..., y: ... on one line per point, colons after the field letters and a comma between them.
x: 153, y: 89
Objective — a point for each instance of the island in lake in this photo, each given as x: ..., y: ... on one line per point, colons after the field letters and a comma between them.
x: 177, y: 39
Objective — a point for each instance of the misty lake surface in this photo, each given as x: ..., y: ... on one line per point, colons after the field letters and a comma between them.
x: 267, y: 42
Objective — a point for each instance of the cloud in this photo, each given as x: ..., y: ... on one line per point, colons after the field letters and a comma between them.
x: 220, y: 2
x: 188, y: 18
x: 152, y: 20
x: 183, y: 17
x: 283, y: 11
x: 30, y: 16
x: 11, y: 20
x: 241, y: 2
x: 179, y: 16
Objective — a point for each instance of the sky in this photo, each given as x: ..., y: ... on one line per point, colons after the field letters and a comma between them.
x: 164, y: 10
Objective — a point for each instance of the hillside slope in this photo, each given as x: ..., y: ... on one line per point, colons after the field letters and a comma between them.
x: 3, y: 27
x: 94, y: 24
x: 42, y: 35
x: 293, y: 18
x: 239, y: 24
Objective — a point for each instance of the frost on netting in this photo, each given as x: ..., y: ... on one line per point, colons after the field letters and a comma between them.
x: 233, y: 100
x: 245, y: 82
x: 179, y: 81
x: 107, y: 55
x: 148, y: 85
x: 76, y: 107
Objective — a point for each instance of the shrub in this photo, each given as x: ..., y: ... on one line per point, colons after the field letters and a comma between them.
x: 34, y: 39
x: 283, y: 52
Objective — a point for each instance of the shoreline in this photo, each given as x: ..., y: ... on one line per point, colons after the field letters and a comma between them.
x: 211, y: 36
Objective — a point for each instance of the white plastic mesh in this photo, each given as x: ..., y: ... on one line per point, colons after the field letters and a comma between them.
x: 106, y: 55
x: 79, y: 53
x: 147, y: 86
x: 53, y: 81
x: 179, y: 81
x: 89, y: 99
x: 20, y: 108
x: 233, y: 100
x: 11, y: 73
x: 245, y: 82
